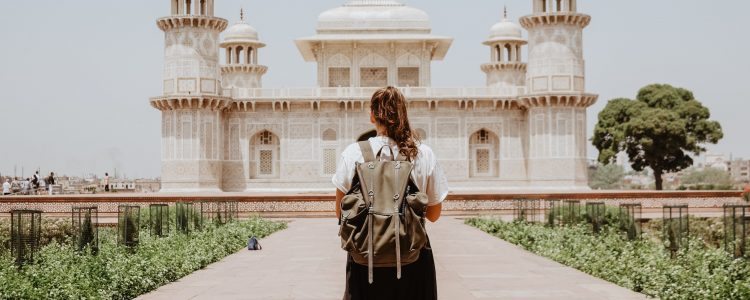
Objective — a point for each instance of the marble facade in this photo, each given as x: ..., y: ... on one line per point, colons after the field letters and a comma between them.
x: 223, y: 132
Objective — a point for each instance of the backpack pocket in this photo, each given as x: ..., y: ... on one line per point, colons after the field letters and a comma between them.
x: 353, y: 217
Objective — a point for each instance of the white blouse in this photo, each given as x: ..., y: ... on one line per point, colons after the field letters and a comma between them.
x: 427, y: 174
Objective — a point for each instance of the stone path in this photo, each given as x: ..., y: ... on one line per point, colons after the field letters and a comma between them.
x: 305, y: 262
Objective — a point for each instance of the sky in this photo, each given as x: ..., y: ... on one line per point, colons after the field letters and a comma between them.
x: 76, y: 76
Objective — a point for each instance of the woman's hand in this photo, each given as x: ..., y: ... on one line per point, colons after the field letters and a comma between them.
x: 433, y: 212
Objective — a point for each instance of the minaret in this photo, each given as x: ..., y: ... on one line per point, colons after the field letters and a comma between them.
x: 191, y: 102
x: 506, y: 72
x: 241, y: 68
x: 556, y: 97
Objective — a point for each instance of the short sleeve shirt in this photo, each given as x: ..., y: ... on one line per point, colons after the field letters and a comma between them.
x: 427, y: 173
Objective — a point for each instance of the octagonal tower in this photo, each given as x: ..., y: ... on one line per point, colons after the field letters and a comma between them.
x: 241, y: 68
x: 556, y: 97
x: 191, y: 102
x: 506, y: 72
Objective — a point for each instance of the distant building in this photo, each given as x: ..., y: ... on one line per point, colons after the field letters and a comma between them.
x: 717, y: 161
x: 739, y: 170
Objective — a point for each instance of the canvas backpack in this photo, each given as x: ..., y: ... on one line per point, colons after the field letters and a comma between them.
x: 382, y: 215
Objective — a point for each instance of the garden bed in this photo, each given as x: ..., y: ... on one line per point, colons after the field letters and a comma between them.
x: 700, y: 271
x: 117, y: 272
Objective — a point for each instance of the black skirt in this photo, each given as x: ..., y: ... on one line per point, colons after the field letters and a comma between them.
x: 418, y: 280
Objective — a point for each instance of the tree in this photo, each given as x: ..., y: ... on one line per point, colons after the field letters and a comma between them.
x: 659, y: 129
x: 607, y: 177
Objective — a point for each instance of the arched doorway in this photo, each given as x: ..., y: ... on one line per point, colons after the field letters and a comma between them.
x: 367, y: 135
x: 264, y: 151
x: 483, y: 154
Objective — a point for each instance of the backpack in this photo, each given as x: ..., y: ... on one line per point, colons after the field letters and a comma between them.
x: 382, y: 215
x: 253, y: 244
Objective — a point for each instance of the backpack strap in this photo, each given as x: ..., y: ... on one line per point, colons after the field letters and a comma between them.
x: 366, y: 149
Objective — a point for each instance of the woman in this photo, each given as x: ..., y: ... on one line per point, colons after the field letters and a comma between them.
x: 418, y: 281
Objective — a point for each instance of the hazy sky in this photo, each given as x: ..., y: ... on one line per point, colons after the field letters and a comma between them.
x: 75, y: 76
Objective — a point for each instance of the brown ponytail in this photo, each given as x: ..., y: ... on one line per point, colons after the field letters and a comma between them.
x: 388, y: 106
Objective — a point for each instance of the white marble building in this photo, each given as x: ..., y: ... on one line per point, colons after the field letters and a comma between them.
x: 222, y: 131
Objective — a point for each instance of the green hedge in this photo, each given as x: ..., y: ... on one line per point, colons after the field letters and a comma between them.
x: 116, y: 273
x: 700, y: 272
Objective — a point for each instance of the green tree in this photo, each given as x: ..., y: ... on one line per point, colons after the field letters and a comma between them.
x: 607, y: 177
x: 659, y: 129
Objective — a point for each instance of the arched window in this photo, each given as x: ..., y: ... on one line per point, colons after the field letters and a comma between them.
x: 498, y: 53
x: 544, y: 5
x: 264, y: 151
x: 509, y: 52
x: 559, y: 5
x: 329, y: 135
x: 187, y: 6
x: 330, y: 152
x: 484, y: 154
x: 239, y: 55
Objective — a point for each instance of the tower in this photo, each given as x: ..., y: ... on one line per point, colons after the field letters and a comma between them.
x: 556, y: 97
x: 191, y: 102
x: 241, y: 68
x: 506, y: 72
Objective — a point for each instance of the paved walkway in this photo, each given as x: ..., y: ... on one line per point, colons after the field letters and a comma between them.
x: 305, y: 262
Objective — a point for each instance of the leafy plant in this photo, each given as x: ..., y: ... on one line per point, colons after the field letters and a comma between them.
x: 60, y: 272
x: 699, y: 271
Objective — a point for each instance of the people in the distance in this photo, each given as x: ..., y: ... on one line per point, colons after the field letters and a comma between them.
x: 106, y: 182
x: 6, y: 187
x: 388, y: 113
x: 35, y: 181
x: 50, y: 181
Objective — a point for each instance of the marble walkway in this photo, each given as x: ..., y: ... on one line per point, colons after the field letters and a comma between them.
x: 305, y: 262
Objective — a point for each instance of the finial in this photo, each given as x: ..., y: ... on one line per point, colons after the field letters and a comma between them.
x: 242, y: 14
x: 505, y: 12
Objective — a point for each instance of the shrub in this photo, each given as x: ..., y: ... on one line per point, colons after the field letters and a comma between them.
x: 698, y: 272
x: 119, y: 273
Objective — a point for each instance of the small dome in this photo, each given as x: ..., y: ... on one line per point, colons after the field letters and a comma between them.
x: 241, y: 32
x: 506, y: 29
x: 358, y: 15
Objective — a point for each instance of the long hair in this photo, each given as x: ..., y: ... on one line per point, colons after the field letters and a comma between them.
x: 388, y: 106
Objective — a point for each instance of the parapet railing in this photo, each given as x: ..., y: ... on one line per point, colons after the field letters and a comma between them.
x: 366, y: 92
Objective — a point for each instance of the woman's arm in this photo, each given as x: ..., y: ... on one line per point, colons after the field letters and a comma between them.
x: 339, y: 196
x: 433, y: 212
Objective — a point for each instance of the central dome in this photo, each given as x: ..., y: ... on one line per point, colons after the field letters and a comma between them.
x: 374, y: 15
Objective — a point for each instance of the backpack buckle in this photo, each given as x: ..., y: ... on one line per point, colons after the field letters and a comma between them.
x: 398, y: 164
x: 371, y: 166
x: 396, y: 196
